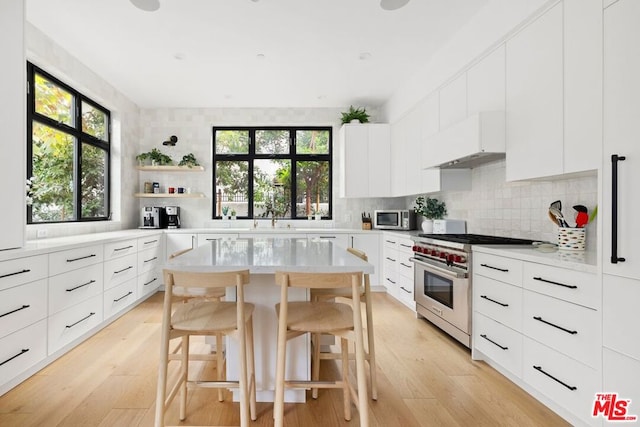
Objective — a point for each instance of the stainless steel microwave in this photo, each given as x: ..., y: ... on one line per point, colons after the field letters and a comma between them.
x: 394, y: 219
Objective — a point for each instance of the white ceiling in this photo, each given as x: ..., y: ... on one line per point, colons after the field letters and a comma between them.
x: 311, y: 48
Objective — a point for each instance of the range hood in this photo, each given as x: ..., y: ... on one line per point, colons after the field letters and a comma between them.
x: 478, y: 139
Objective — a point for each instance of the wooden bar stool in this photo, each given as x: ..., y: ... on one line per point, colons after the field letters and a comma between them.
x: 322, y: 317
x: 202, y: 317
x: 370, y: 349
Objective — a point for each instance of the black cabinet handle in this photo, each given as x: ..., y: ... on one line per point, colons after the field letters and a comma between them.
x: 326, y: 237
x: 24, y: 306
x: 540, y: 319
x: 23, y: 351
x: 124, y: 269
x: 493, y: 342
x: 494, y: 301
x: 406, y: 246
x: 405, y: 265
x: 614, y: 208
x: 539, y: 369
x: 150, y: 281
x: 82, y: 257
x: 14, y: 274
x: 390, y: 241
x: 494, y: 268
x: 389, y: 280
x: 150, y: 242
x: 122, y: 249
x: 405, y: 289
x: 540, y: 279
x: 123, y: 296
x: 152, y: 259
x: 80, y: 286
x: 81, y: 320
x: 391, y: 259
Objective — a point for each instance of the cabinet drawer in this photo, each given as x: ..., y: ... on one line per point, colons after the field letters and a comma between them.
x: 405, y: 286
x: 74, y: 287
x: 120, y: 249
x: 22, y: 349
x: 405, y: 268
x: 70, y: 324
x: 573, y: 286
x: 499, y: 301
x: 506, y: 270
x: 390, y: 242
x: 120, y: 297
x: 405, y: 245
x: 149, y: 282
x: 120, y: 270
x: 501, y: 344
x: 148, y: 259
x: 566, y: 382
x: 73, y: 259
x: 149, y: 242
x: 22, y: 305
x: 569, y: 328
x: 22, y: 270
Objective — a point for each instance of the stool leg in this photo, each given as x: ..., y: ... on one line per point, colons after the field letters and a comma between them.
x: 371, y: 347
x: 244, y: 395
x: 220, y: 365
x: 315, y: 362
x: 252, y: 370
x: 161, y: 393
x: 184, y: 376
x: 346, y: 393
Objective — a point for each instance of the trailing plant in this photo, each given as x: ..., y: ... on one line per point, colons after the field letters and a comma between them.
x: 155, y: 156
x: 359, y: 114
x: 430, y: 208
x: 189, y: 160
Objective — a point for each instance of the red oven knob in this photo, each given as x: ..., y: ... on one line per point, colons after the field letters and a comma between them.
x: 414, y: 248
x: 443, y: 255
x: 430, y: 251
x: 451, y: 257
x: 460, y: 258
x: 419, y: 249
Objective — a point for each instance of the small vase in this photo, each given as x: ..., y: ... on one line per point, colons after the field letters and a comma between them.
x: 427, y: 226
x: 354, y: 121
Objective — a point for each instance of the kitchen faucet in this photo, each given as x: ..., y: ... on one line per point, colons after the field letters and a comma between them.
x: 255, y: 223
x: 274, y: 220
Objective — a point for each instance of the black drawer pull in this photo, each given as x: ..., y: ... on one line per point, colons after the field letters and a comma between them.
x: 124, y: 269
x: 123, y: 296
x: 492, y: 300
x: 24, y: 306
x: 555, y: 283
x: 404, y: 289
x: 391, y: 259
x: 326, y: 237
x: 405, y: 265
x: 406, y: 246
x: 504, y: 270
x: 152, y: 259
x: 389, y: 280
x: 81, y: 320
x: 82, y: 257
x: 390, y: 241
x: 81, y: 286
x: 150, y: 242
x: 150, y: 281
x: 539, y: 369
x: 23, y: 351
x: 540, y: 319
x: 122, y: 249
x: 493, y: 342
x: 13, y: 274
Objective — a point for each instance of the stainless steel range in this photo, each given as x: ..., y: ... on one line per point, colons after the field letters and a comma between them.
x: 442, y: 279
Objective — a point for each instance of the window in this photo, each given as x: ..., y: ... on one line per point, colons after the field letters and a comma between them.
x: 272, y: 171
x: 68, y: 152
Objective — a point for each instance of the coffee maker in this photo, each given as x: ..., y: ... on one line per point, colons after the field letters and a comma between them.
x: 173, y: 216
x: 153, y: 217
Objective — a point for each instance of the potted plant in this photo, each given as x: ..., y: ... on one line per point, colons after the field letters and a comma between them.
x: 430, y: 209
x: 189, y: 160
x: 225, y: 212
x: 233, y: 214
x: 156, y: 157
x: 355, y: 115
x: 143, y: 159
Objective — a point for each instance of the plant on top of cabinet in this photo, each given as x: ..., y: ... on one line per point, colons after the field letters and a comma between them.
x: 359, y: 114
x: 189, y: 160
x: 430, y: 208
x: 156, y: 156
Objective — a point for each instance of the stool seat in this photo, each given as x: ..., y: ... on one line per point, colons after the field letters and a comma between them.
x: 318, y: 316
x: 208, y: 317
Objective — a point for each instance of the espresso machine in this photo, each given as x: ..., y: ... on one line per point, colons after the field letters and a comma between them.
x: 173, y: 216
x: 153, y: 217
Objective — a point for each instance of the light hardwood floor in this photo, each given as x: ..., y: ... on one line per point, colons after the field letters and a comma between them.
x: 424, y: 379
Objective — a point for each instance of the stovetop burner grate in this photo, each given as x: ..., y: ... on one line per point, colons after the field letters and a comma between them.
x: 478, y: 239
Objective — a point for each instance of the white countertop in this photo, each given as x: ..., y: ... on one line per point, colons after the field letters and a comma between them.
x: 266, y: 255
x: 586, y: 261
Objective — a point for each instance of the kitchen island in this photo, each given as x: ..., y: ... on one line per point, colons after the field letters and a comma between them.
x: 263, y: 257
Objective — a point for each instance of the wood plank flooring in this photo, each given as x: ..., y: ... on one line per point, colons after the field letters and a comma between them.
x: 424, y: 379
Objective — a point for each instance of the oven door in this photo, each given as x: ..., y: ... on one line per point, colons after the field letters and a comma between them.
x: 443, y: 292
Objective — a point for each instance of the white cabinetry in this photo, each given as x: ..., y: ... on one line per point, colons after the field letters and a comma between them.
x: 621, y: 280
x: 13, y: 124
x: 453, y: 101
x: 338, y: 239
x: 369, y: 243
x: 365, y: 166
x: 486, y: 83
x: 179, y: 241
x: 398, y: 270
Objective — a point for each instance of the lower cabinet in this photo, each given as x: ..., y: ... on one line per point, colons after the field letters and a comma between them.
x: 70, y: 324
x: 120, y: 297
x: 398, y: 269
x: 21, y: 350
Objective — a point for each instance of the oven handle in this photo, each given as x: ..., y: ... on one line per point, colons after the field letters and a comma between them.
x: 439, y: 269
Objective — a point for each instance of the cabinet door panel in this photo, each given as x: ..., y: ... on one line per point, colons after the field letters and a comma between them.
x: 486, y: 84
x: 617, y: 372
x: 453, y: 102
x: 355, y: 160
x: 534, y: 99
x: 620, y: 315
x: 379, y: 151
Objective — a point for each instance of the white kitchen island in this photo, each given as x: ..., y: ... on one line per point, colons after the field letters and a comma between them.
x: 263, y: 257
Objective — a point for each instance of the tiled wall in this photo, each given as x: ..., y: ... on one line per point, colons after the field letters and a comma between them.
x: 519, y: 209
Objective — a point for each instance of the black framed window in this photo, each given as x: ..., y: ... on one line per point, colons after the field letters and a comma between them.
x: 260, y: 172
x: 68, y: 152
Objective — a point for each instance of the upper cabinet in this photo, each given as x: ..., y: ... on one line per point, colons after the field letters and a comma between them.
x: 486, y: 84
x: 554, y: 92
x: 365, y: 160
x: 12, y: 123
x: 453, y: 101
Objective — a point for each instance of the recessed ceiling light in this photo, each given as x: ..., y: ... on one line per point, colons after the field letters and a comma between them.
x: 364, y: 56
x: 393, y: 4
x: 260, y: 56
x: 146, y: 5
x: 179, y: 56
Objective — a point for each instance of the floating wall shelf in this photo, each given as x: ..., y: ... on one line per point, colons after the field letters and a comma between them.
x: 171, y: 168
x: 169, y: 195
